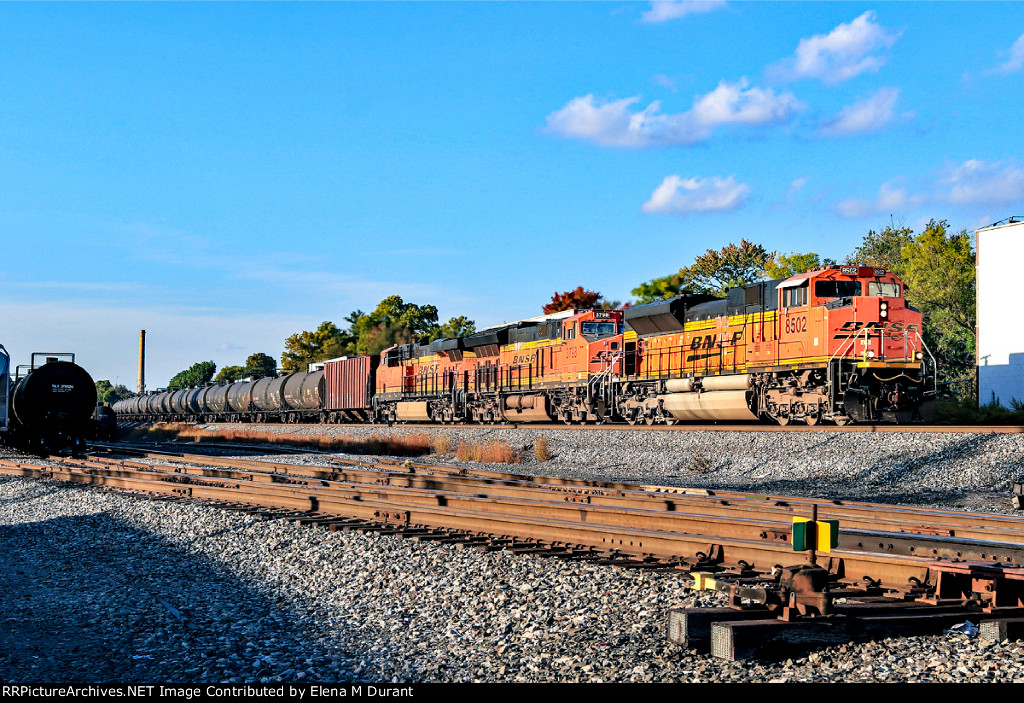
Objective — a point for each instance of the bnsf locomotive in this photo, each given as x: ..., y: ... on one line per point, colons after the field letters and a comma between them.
x: 836, y: 344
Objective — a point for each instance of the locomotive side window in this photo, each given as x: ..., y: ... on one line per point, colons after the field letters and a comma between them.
x: 884, y: 290
x: 837, y: 289
x: 795, y: 296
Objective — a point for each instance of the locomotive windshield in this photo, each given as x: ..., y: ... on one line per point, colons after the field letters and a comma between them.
x: 837, y: 289
x: 597, y: 330
x: 882, y: 289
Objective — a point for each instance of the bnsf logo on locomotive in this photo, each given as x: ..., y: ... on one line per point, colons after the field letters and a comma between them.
x: 891, y: 329
x: 711, y: 340
x: 524, y: 358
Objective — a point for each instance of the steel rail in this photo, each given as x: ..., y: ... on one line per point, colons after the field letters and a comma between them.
x: 634, y: 532
x: 552, y: 427
x: 477, y: 515
x: 856, y: 518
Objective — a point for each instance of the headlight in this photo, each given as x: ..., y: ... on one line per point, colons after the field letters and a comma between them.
x: 918, y: 355
x: 884, y: 313
x: 869, y: 354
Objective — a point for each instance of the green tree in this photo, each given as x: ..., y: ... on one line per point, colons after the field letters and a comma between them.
x: 938, y: 268
x: 733, y: 265
x: 457, y: 327
x: 325, y: 342
x: 713, y: 272
x: 660, y: 288
x: 786, y: 265
x: 230, y: 374
x: 395, y: 321
x: 259, y: 365
x: 883, y: 249
x: 198, y: 374
x: 109, y: 393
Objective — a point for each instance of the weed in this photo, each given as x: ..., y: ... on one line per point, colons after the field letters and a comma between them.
x: 391, y: 444
x: 442, y: 444
x: 492, y: 452
x: 540, y: 448
x: 700, y: 463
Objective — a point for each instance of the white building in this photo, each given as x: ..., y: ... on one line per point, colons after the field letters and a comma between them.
x: 1000, y: 266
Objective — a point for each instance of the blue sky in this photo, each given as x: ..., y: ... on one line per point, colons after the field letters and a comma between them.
x: 224, y: 175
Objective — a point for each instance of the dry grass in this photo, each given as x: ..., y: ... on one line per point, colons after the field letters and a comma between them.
x: 492, y: 452
x: 442, y: 444
x: 390, y: 444
x: 540, y: 448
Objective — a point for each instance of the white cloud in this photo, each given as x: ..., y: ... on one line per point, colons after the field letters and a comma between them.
x: 615, y: 124
x: 665, y: 82
x: 1015, y: 62
x: 735, y: 103
x: 796, y: 186
x: 977, y: 182
x: 665, y: 10
x: 847, y: 51
x: 865, y: 115
x: 677, y: 195
x: 890, y: 200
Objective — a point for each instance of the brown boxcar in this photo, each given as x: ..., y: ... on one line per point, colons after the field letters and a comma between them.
x: 349, y: 385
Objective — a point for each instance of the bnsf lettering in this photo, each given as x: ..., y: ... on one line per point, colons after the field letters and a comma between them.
x: 711, y: 341
x: 524, y: 359
x: 853, y: 327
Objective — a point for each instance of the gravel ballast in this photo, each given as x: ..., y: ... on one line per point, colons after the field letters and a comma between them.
x: 96, y: 586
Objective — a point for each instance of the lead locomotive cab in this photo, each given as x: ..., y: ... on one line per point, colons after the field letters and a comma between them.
x: 854, y: 322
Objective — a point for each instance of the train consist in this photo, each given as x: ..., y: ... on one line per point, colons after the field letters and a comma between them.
x: 836, y: 344
x: 50, y: 405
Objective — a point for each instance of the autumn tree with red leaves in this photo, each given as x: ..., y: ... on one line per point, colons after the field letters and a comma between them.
x: 579, y: 298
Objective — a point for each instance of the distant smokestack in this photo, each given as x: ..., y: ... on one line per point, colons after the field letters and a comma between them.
x: 142, y: 361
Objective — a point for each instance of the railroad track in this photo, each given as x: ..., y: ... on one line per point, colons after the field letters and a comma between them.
x: 915, y: 568
x: 687, y: 427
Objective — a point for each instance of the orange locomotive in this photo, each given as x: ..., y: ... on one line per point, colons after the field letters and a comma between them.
x: 835, y: 344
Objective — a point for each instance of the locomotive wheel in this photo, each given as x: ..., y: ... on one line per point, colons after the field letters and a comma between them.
x: 842, y: 421
x: 633, y: 416
x: 783, y: 420
x: 812, y: 420
x: 649, y: 420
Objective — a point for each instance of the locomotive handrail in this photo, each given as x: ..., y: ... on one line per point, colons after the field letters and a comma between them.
x: 935, y: 365
x: 841, y: 350
x: 603, y: 376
